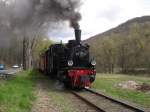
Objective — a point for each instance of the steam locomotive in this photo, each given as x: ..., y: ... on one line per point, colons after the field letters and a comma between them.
x: 70, y: 63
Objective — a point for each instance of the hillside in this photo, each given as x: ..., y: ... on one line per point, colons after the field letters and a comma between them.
x: 124, y: 27
x: 124, y: 48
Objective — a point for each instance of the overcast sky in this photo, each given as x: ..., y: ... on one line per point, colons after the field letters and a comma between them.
x: 101, y: 15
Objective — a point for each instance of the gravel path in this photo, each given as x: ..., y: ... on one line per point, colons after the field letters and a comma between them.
x: 43, y: 102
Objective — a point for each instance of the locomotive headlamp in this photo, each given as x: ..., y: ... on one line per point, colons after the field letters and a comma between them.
x: 70, y: 63
x: 93, y: 62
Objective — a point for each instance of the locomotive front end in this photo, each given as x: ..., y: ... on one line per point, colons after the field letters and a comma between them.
x: 81, y: 68
x: 81, y: 78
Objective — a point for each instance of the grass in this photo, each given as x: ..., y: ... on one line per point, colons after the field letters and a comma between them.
x: 106, y: 83
x: 16, y: 94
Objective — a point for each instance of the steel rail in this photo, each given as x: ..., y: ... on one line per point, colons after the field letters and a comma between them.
x: 137, y: 109
x: 98, y: 109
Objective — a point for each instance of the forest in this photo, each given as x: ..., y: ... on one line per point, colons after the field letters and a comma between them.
x: 13, y: 52
x: 123, y: 49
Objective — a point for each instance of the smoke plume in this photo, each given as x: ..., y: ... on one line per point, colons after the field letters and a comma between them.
x: 19, y: 17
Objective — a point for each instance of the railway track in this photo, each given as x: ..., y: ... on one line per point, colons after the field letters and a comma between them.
x: 103, y: 103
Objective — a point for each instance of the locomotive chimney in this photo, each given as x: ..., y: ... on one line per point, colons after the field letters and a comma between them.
x: 78, y: 35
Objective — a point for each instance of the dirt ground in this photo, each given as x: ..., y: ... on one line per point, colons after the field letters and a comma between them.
x: 52, y: 98
x: 133, y: 85
x: 43, y: 102
x: 46, y: 92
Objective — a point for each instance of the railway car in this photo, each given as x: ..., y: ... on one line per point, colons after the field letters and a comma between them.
x: 70, y: 63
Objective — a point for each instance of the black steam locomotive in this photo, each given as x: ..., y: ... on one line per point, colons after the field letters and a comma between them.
x: 70, y: 63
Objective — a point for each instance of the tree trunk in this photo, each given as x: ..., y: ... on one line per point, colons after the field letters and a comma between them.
x: 28, y: 44
x: 24, y: 54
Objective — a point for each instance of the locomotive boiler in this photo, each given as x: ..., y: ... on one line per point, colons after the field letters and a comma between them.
x: 70, y: 63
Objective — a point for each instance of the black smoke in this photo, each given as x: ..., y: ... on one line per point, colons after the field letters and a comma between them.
x: 19, y: 17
